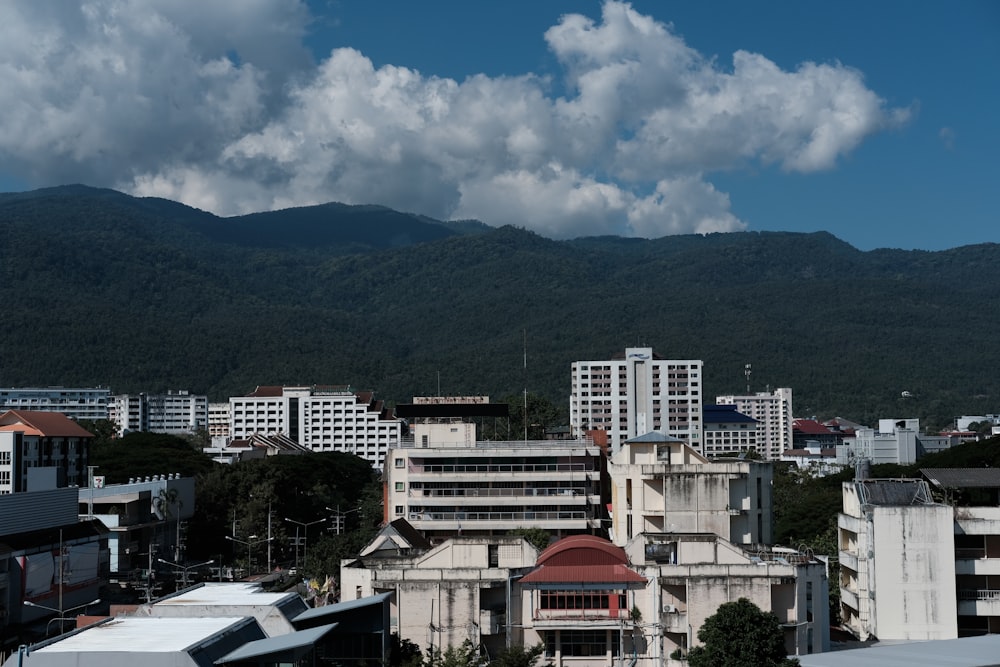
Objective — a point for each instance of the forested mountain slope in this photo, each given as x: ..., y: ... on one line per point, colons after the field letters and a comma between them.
x: 146, y: 294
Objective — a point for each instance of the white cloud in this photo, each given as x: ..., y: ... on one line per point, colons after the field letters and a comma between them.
x: 218, y: 106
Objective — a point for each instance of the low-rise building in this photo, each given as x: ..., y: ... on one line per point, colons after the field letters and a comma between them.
x: 176, y: 412
x: 895, y: 441
x: 77, y: 403
x: 35, y: 439
x: 691, y: 575
x: 659, y: 484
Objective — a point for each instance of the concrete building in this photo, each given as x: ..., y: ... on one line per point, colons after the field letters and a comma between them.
x: 445, y: 483
x: 176, y: 412
x: 659, y: 484
x: 321, y: 418
x: 35, y: 439
x: 443, y: 595
x: 895, y: 441
x: 636, y: 393
x: 773, y: 412
x: 897, y: 561
x: 219, y: 421
x: 50, y: 560
x: 727, y: 431
x: 690, y: 575
x: 77, y: 403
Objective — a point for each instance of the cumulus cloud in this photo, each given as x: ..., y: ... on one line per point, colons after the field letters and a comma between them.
x: 220, y: 107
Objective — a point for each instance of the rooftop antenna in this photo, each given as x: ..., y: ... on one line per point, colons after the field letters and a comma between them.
x: 747, y: 371
x: 439, y: 383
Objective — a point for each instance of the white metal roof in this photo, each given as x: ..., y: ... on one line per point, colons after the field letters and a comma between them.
x: 135, y: 634
x: 233, y: 594
x: 981, y: 651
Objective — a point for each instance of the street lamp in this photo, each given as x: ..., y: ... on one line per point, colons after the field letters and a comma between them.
x: 338, y: 518
x: 305, y: 538
x: 184, y: 570
x: 62, y: 612
x: 250, y: 542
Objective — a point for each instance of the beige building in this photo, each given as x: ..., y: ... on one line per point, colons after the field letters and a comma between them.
x: 443, y: 595
x: 445, y: 483
x: 637, y: 392
x: 690, y: 575
x: 659, y: 484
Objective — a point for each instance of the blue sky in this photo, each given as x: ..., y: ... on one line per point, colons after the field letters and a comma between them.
x: 873, y: 121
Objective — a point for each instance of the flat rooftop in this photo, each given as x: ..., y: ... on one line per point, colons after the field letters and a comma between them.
x: 136, y: 634
x: 219, y: 594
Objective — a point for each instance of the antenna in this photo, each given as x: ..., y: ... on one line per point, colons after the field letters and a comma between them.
x: 525, y: 385
x: 747, y: 371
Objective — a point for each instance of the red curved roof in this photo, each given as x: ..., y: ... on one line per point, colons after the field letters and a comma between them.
x: 583, y: 559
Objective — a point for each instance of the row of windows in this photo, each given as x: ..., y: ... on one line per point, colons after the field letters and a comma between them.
x: 575, y: 600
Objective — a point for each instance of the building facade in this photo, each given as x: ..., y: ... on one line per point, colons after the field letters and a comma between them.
x: 895, y: 441
x: 34, y: 439
x: 897, y: 561
x: 659, y: 484
x: 773, y: 412
x: 74, y: 402
x: 635, y: 393
x: 727, y: 431
x: 320, y: 418
x: 176, y: 412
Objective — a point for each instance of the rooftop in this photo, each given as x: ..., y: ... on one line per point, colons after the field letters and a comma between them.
x: 129, y: 634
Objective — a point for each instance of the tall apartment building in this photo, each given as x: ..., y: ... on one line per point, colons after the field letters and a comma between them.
x: 76, y: 403
x: 636, y: 393
x: 773, y: 412
x: 218, y: 420
x: 34, y: 439
x: 321, y: 418
x: 176, y: 412
x: 444, y: 482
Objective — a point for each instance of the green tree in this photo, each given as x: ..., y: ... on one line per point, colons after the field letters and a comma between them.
x: 739, y: 633
x: 536, y: 537
x: 466, y: 655
x: 404, y: 653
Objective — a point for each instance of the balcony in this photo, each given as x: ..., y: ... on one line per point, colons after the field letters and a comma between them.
x: 979, y: 602
x: 849, y: 559
x: 579, y: 618
x: 473, y: 520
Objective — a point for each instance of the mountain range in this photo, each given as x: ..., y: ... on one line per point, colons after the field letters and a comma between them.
x: 145, y: 294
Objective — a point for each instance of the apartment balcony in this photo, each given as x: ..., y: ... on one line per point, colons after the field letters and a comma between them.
x: 974, y: 561
x: 977, y: 520
x: 499, y: 520
x: 474, y: 472
x: 522, y: 496
x: 674, y: 620
x: 978, y: 602
x: 849, y: 598
x: 849, y: 559
x: 579, y: 618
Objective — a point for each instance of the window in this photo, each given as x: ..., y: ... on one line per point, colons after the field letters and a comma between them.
x: 399, y: 510
x: 398, y: 463
x: 400, y: 486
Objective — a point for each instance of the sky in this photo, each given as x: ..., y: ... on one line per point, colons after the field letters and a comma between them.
x: 874, y: 121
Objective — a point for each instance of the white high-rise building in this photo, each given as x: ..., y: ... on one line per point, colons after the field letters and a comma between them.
x: 773, y: 412
x: 322, y: 418
x: 637, y: 393
x: 176, y: 412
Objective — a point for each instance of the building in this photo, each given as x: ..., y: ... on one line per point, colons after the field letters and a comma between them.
x: 690, y: 575
x: 897, y: 561
x: 585, y: 603
x: 895, y: 441
x: 660, y: 485
x: 219, y: 421
x: 727, y: 431
x: 443, y: 595
x: 76, y: 403
x: 176, y: 412
x: 636, y: 393
x: 50, y: 560
x: 320, y: 418
x: 445, y: 483
x: 773, y: 412
x: 809, y: 433
x: 34, y: 439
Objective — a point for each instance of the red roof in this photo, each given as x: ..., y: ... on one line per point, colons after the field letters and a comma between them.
x: 44, y: 424
x: 583, y: 559
x: 810, y: 427
x: 267, y: 391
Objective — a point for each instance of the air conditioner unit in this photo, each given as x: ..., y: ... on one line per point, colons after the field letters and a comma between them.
x: 669, y: 609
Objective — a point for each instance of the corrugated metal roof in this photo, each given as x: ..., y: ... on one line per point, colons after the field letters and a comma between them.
x: 233, y: 594
x: 46, y: 424
x: 654, y: 436
x: 583, y: 574
x: 135, y: 634
x: 296, y: 644
x: 724, y: 414
x: 340, y: 607
x: 963, y: 478
x: 966, y: 652
x: 583, y: 559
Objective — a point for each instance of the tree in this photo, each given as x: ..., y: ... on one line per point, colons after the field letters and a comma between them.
x: 536, y: 537
x: 739, y: 633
